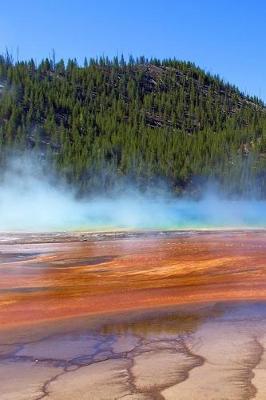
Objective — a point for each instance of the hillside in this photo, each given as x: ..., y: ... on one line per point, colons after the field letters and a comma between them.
x: 142, y: 119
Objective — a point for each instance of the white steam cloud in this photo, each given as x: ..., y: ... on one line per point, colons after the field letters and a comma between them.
x: 29, y: 201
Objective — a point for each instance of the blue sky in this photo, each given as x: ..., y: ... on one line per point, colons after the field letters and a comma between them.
x: 225, y: 37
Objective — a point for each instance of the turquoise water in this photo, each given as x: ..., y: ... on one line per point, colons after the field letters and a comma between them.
x: 64, y: 214
x: 179, y: 214
x: 29, y: 201
x: 45, y: 208
x: 146, y: 213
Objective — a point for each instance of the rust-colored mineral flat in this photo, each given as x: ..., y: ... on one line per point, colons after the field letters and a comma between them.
x: 54, y: 281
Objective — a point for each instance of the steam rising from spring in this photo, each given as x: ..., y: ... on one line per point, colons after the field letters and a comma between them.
x: 31, y: 201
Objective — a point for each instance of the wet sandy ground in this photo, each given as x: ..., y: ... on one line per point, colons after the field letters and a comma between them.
x: 138, y: 318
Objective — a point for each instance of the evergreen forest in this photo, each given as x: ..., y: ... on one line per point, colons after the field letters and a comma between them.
x: 139, y: 120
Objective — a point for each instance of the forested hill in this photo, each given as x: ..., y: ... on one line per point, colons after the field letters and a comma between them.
x: 141, y: 119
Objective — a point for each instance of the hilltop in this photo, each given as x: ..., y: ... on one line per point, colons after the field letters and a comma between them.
x: 143, y: 119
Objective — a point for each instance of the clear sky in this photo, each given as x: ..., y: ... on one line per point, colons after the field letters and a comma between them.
x: 223, y: 36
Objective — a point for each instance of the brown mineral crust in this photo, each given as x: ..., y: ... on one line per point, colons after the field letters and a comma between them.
x: 54, y: 281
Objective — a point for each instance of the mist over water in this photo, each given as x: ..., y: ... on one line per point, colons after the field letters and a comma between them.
x: 31, y: 201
